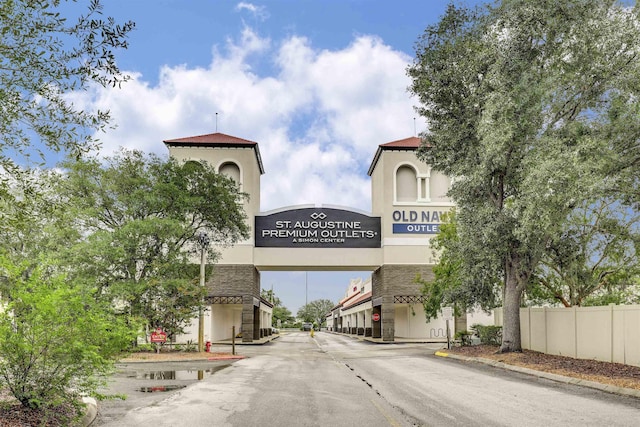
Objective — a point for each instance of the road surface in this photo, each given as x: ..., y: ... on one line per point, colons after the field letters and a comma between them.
x: 335, y: 380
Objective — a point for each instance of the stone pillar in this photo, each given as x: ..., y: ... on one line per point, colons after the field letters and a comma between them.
x: 239, y: 280
x: 388, y: 318
x: 392, y: 280
x: 247, y: 319
x: 256, y: 321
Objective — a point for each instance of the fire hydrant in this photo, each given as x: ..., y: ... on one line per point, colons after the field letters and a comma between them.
x: 207, y: 346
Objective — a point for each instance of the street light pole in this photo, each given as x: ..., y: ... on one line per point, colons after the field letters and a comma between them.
x: 203, y: 243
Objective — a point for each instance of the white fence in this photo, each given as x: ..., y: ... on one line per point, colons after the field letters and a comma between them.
x: 609, y: 333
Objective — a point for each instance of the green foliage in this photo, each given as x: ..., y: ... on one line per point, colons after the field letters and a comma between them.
x: 56, y: 342
x: 270, y: 296
x: 488, y: 334
x: 315, y: 311
x: 464, y: 337
x: 446, y: 288
x: 283, y: 315
x: 190, y: 347
x: 280, y: 313
x: 628, y: 294
x: 143, y: 348
x: 525, y: 101
x: 593, y: 258
x: 44, y: 57
x: 141, y: 215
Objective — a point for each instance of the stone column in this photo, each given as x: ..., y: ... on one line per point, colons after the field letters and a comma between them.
x: 247, y: 318
x: 388, y: 318
x: 239, y: 280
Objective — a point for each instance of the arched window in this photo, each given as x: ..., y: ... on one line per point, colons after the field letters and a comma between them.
x: 231, y: 170
x: 406, y: 184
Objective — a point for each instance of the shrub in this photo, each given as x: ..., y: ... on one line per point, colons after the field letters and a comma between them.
x: 143, y: 348
x: 56, y: 342
x: 464, y: 337
x: 488, y: 334
x: 190, y: 346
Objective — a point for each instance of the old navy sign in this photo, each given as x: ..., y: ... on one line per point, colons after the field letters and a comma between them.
x: 317, y: 228
x: 416, y: 222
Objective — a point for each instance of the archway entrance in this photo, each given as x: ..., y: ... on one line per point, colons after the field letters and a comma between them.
x: 391, y: 242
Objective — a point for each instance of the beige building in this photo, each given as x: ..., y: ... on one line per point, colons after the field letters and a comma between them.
x: 391, y: 241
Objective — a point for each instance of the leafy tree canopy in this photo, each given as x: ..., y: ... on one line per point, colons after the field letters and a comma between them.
x: 44, y: 57
x: 525, y: 102
x: 594, y: 255
x: 316, y: 311
x: 56, y: 342
x: 280, y: 312
x: 141, y: 215
x: 447, y: 287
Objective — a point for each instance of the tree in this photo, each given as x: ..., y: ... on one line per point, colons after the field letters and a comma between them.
x: 34, y: 226
x: 44, y: 57
x: 56, y: 342
x: 594, y: 255
x: 140, y: 215
x: 446, y: 289
x: 282, y: 316
x: 518, y: 98
x: 316, y: 311
x: 280, y: 313
x: 270, y: 296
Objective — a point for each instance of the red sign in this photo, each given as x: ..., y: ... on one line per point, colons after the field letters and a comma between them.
x: 158, y: 336
x: 375, y: 317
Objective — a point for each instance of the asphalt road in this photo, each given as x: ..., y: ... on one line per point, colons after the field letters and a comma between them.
x: 333, y: 380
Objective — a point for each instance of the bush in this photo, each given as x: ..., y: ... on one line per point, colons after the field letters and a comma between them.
x: 488, y: 334
x: 143, y: 348
x: 464, y: 337
x: 190, y: 346
x: 56, y: 342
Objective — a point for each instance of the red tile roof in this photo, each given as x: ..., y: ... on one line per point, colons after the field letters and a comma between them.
x: 212, y: 138
x: 362, y: 298
x: 344, y: 300
x: 216, y: 140
x: 408, y: 144
x: 412, y: 142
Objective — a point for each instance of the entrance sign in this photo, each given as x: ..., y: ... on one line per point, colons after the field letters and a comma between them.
x: 158, y: 336
x: 317, y: 228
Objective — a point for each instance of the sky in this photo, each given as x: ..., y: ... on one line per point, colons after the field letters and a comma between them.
x: 319, y: 84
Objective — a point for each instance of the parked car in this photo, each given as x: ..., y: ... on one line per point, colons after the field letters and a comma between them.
x: 307, y: 326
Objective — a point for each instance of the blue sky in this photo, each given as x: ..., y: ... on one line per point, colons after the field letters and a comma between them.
x: 318, y: 84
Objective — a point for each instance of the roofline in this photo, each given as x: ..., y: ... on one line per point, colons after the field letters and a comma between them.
x: 238, y: 143
x: 387, y: 147
x: 357, y: 303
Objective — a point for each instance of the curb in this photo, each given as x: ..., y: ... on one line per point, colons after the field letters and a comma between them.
x: 547, y: 375
x: 226, y: 358
x: 91, y: 410
x: 208, y: 359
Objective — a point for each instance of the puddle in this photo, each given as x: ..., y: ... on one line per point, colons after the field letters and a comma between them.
x: 185, y: 374
x: 161, y: 388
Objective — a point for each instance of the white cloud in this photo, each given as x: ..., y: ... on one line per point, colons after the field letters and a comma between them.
x: 258, y: 12
x: 319, y: 116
